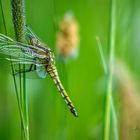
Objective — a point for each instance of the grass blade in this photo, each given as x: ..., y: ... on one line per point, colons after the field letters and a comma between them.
x: 109, y: 98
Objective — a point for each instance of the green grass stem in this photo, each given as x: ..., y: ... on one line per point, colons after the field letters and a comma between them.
x: 12, y: 69
x: 111, y: 44
x: 19, y: 27
x: 114, y: 121
x: 102, y: 55
x: 110, y: 102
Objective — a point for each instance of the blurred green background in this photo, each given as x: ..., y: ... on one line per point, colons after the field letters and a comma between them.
x: 83, y: 78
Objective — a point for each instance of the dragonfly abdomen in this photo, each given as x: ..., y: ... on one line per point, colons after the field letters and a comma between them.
x: 65, y: 95
x: 54, y: 75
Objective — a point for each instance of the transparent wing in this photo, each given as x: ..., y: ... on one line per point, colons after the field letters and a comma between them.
x: 32, y: 38
x: 19, y: 50
x: 33, y: 69
x: 22, y: 61
x: 30, y: 34
x: 4, y: 40
x: 19, y: 53
x: 41, y: 70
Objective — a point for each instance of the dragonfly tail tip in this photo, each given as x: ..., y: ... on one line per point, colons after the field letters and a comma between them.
x: 73, y: 111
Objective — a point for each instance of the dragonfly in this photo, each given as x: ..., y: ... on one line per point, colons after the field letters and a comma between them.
x: 38, y: 56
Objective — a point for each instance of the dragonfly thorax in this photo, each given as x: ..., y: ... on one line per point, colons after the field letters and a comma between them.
x: 49, y: 56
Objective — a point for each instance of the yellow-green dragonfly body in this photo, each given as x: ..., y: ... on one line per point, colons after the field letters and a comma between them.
x: 38, y: 55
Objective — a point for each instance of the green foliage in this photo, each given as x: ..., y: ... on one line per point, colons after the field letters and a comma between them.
x: 83, y: 78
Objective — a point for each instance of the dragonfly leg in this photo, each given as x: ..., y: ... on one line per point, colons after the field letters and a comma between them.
x: 31, y: 68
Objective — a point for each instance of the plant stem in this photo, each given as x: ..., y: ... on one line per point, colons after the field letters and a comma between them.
x: 111, y: 42
x: 102, y: 55
x: 12, y: 68
x: 19, y: 25
x: 114, y: 119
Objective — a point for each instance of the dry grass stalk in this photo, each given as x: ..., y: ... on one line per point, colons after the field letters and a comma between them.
x: 130, y: 120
